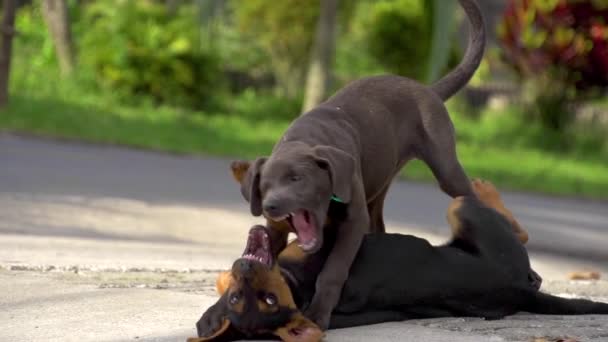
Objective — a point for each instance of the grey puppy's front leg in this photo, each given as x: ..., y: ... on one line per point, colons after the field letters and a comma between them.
x: 335, y: 271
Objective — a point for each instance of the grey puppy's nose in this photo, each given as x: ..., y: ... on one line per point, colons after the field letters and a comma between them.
x: 271, y: 207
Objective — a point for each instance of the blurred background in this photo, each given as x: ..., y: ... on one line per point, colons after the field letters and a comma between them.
x: 225, y: 77
x: 112, y: 241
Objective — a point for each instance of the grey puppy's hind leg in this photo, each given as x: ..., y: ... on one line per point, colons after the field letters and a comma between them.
x: 439, y: 153
x: 449, y: 173
x: 375, y: 208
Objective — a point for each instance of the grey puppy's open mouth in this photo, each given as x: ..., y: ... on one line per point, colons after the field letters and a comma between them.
x: 302, y: 223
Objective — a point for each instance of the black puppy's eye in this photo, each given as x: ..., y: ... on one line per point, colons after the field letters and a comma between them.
x: 234, y: 298
x: 271, y: 299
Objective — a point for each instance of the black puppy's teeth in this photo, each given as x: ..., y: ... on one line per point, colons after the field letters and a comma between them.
x: 258, y: 247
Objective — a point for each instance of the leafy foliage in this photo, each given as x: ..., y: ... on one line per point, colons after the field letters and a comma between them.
x: 141, y: 49
x: 400, y: 34
x: 570, y: 35
x: 561, y: 46
x: 135, y: 50
x: 33, y: 40
x: 284, y: 30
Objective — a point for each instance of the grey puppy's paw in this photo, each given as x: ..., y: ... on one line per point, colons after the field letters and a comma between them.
x: 319, y: 315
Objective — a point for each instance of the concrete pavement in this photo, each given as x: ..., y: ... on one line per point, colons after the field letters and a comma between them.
x: 108, y: 244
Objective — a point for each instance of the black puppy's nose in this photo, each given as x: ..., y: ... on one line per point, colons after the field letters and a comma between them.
x: 244, y: 266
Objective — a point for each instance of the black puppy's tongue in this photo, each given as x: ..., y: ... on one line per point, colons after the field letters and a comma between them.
x: 305, y: 229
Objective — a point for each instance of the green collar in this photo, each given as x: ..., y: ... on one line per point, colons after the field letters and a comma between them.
x: 336, y: 199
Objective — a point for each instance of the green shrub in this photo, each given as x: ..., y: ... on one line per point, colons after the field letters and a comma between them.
x: 32, y: 51
x: 33, y: 41
x: 560, y: 50
x: 400, y: 34
x: 34, y: 67
x: 257, y: 105
x: 284, y: 30
x: 138, y: 49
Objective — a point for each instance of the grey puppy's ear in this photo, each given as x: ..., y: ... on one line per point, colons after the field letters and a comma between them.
x: 341, y: 167
x: 250, y: 186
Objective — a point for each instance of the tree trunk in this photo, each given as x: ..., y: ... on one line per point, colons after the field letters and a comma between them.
x: 320, y: 68
x: 55, y: 14
x: 8, y: 31
x: 172, y: 6
x: 210, y: 17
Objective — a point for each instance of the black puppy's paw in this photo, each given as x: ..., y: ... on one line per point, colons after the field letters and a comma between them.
x: 319, y: 315
x: 210, y: 322
x: 535, y: 279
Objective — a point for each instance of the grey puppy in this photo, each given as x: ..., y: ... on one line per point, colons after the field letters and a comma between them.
x: 349, y: 149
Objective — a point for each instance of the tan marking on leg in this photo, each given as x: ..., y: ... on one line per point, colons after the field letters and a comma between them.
x: 279, y: 226
x: 488, y: 194
x: 452, y: 216
x: 300, y: 329
x: 292, y: 252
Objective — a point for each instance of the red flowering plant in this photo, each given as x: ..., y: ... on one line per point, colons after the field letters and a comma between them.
x: 561, y: 46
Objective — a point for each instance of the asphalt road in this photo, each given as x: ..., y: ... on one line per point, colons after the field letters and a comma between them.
x: 558, y: 227
x: 89, y: 234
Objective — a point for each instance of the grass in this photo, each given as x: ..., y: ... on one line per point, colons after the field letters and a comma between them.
x: 161, y: 129
x: 503, y: 147
x: 521, y: 155
x: 499, y: 148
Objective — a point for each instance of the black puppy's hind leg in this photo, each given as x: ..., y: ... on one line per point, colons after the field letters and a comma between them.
x: 489, y: 234
x: 482, y: 226
x: 463, y: 235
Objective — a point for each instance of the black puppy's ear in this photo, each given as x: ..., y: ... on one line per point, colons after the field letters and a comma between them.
x: 341, y: 167
x: 222, y: 334
x: 250, y: 186
x: 239, y: 170
x: 215, y: 326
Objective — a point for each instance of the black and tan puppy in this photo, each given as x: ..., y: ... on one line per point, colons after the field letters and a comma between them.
x: 349, y: 149
x: 482, y: 272
x: 256, y: 301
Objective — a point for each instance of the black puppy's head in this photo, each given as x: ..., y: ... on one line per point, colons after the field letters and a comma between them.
x: 257, y: 298
x: 296, y: 185
x: 257, y: 295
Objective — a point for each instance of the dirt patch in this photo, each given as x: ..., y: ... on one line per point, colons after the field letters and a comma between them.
x: 187, y: 280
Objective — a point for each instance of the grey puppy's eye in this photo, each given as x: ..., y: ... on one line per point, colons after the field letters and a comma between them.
x: 295, y: 178
x: 271, y: 299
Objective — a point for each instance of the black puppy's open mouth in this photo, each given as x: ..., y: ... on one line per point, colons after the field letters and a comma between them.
x: 303, y: 223
x: 258, y: 246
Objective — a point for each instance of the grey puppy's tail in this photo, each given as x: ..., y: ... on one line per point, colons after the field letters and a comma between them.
x: 458, y: 78
x: 543, y: 303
